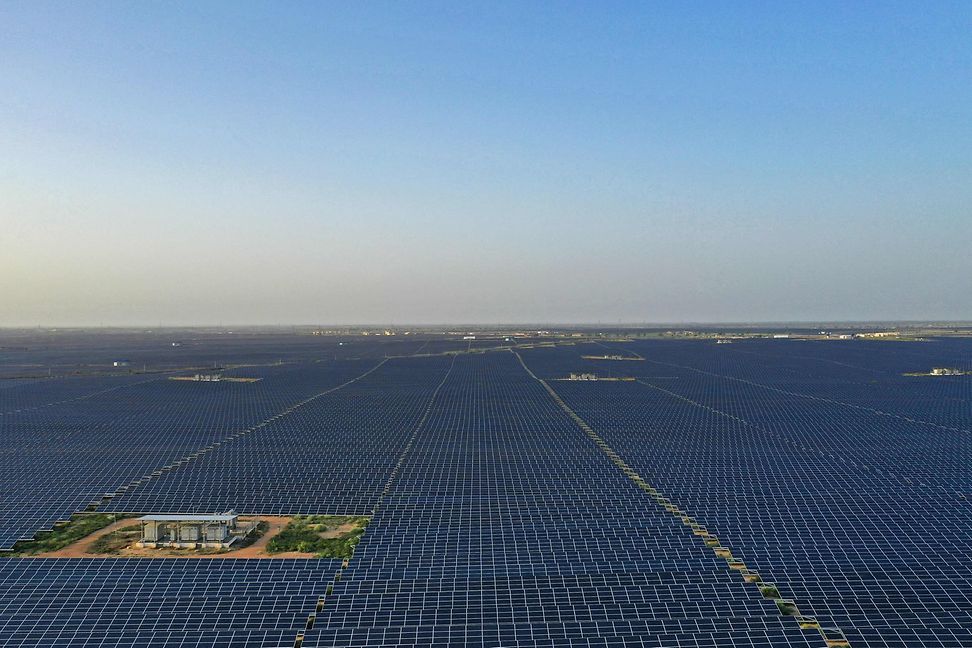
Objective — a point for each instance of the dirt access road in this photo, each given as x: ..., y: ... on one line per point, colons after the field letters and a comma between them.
x: 82, y: 548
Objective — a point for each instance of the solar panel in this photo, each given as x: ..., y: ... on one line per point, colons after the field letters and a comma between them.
x: 677, y: 507
x: 854, y: 508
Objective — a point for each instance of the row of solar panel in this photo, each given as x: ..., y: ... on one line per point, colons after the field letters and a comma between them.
x: 56, y: 460
x: 854, y: 513
x: 506, y: 526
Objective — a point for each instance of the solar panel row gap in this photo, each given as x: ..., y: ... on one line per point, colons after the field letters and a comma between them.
x: 817, y: 398
x: 860, y: 547
x: 322, y: 599
x: 833, y: 637
x: 82, y: 397
x: 229, y: 439
x: 788, y: 441
x: 508, y: 528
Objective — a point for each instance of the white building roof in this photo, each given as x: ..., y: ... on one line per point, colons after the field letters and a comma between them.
x: 175, y: 517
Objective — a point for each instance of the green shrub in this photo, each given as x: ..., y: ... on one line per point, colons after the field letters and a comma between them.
x: 79, y: 526
x: 304, y: 534
x: 112, y: 543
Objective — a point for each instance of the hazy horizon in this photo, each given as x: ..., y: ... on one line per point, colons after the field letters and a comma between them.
x: 607, y: 325
x: 258, y: 164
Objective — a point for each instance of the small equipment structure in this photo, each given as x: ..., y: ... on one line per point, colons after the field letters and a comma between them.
x: 187, y: 531
x: 948, y: 371
x: 210, y: 377
x: 214, y: 377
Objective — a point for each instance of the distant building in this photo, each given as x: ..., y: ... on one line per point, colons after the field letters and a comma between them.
x: 469, y: 337
x: 121, y: 363
x: 879, y: 334
x: 213, y: 377
x: 582, y: 376
x: 947, y: 371
x: 186, y: 531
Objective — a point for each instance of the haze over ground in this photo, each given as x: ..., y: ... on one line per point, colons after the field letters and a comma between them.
x: 382, y: 163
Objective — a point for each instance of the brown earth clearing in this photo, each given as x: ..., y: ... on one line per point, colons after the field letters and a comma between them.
x: 125, y: 534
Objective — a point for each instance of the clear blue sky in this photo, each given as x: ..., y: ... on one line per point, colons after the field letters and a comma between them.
x: 484, y: 162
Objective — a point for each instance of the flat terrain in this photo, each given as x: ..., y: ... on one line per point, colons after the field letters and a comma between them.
x: 797, y: 492
x: 86, y: 547
x: 118, y: 540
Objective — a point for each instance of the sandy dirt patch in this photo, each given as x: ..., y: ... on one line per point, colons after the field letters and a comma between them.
x: 83, y: 548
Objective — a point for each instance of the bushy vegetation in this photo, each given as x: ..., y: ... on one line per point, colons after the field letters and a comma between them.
x: 769, y: 591
x: 79, y: 526
x: 114, y: 542
x: 252, y: 536
x: 321, y: 535
x: 787, y: 608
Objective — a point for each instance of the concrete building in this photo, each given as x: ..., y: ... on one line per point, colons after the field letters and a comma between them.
x: 187, y: 531
x: 947, y: 371
x: 582, y: 376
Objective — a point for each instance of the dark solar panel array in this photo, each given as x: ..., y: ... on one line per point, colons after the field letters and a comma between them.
x: 57, y: 459
x: 507, y: 526
x: 855, y: 503
x: 330, y: 456
x: 19, y: 396
x: 499, y: 521
x: 106, y: 602
x: 42, y: 354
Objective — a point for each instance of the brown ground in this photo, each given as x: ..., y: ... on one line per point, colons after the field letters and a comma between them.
x: 82, y: 547
x: 339, y: 531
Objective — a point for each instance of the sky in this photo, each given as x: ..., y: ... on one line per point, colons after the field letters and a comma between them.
x: 424, y: 162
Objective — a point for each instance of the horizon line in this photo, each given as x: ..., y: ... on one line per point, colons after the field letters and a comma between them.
x: 529, y: 324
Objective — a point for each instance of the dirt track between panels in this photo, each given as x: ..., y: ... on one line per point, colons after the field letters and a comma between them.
x: 83, y: 548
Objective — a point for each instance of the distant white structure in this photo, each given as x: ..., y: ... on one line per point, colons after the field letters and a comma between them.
x: 947, y: 371
x: 879, y: 334
x: 781, y: 336
x: 582, y: 376
x: 213, y: 377
x: 186, y: 531
x: 121, y: 363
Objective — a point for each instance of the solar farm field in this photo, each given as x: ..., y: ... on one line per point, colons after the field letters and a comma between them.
x: 563, y: 492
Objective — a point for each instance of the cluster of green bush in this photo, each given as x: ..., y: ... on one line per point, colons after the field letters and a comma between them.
x: 114, y: 542
x: 305, y: 533
x: 79, y: 526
